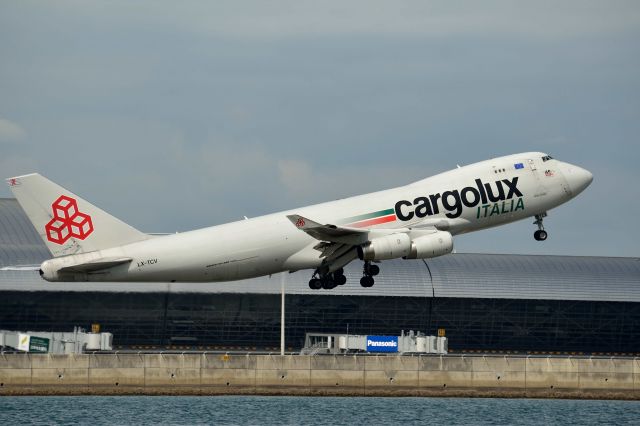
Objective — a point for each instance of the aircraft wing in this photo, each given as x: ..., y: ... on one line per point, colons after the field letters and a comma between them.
x: 330, y: 233
x: 337, y: 244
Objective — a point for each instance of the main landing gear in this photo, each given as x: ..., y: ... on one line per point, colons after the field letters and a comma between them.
x: 327, y: 281
x: 540, y: 234
x: 331, y: 280
x: 369, y: 271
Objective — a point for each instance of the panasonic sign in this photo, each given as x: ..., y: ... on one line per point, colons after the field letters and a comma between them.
x: 382, y: 343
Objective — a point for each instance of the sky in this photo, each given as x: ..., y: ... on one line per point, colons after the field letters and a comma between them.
x: 178, y: 115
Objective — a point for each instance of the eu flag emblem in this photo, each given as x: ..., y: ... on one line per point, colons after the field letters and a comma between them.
x: 518, y: 166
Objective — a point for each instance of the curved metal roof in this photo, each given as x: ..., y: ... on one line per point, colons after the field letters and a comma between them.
x: 20, y: 244
x: 455, y: 275
x: 536, y: 277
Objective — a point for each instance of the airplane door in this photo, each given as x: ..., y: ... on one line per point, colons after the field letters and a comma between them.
x: 534, y: 171
x: 540, y: 190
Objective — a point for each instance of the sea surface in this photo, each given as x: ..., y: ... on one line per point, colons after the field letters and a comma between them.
x: 257, y: 410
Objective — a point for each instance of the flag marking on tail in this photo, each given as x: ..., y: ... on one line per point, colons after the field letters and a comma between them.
x: 68, y: 221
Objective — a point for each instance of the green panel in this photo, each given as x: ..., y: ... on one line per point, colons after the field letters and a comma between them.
x: 38, y: 344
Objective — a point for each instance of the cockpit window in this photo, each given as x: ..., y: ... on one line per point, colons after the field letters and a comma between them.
x: 547, y: 158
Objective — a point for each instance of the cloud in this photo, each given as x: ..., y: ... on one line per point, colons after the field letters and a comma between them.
x: 299, y: 18
x: 10, y: 131
x: 553, y: 142
x: 295, y: 18
x: 304, y: 183
x: 15, y: 165
x: 296, y: 176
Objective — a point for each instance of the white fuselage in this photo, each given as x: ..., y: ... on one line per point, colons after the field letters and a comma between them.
x: 270, y: 244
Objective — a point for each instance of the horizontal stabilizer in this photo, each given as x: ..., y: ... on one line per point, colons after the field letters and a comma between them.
x: 97, y: 265
x: 20, y: 268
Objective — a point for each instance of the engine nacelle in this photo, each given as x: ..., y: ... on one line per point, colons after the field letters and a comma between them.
x: 432, y: 245
x: 388, y: 247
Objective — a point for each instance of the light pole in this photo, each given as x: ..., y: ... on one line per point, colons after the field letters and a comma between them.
x: 282, y: 276
x: 347, y: 338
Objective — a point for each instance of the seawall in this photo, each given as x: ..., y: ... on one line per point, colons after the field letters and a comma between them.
x: 221, y: 374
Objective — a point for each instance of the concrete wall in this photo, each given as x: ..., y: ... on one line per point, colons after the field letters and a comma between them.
x: 211, y: 374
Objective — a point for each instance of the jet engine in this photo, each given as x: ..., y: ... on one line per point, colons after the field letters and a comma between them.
x: 388, y: 247
x: 432, y: 245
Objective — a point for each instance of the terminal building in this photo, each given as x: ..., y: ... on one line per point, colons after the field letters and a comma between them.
x: 483, y: 302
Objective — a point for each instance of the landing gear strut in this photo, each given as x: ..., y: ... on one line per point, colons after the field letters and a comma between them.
x: 328, y: 280
x: 369, y: 271
x: 540, y: 234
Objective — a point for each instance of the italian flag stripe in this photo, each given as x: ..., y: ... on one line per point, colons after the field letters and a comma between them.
x: 373, y: 215
x: 374, y: 221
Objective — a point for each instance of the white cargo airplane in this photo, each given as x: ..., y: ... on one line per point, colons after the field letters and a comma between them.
x: 415, y: 221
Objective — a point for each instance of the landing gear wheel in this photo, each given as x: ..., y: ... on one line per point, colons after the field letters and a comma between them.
x: 328, y: 284
x: 327, y: 280
x: 367, y: 281
x: 315, y: 284
x: 373, y: 270
x: 540, y: 235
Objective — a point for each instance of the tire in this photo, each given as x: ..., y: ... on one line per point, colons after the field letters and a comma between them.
x: 366, y: 281
x: 315, y: 284
x: 328, y: 284
x: 540, y: 235
x: 374, y: 270
x: 371, y: 281
x: 340, y: 279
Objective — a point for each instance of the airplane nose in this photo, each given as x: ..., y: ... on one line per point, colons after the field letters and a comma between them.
x: 577, y: 178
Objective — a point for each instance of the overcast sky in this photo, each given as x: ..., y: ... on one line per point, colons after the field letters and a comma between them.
x: 179, y: 115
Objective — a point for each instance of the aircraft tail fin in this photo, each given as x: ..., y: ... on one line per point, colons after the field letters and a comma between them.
x: 66, y: 223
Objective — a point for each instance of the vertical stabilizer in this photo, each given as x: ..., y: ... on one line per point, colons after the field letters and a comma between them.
x: 67, y: 223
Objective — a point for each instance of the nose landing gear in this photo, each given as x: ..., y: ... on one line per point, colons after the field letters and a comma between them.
x: 540, y: 234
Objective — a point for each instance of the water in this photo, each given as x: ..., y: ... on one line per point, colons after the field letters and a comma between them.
x: 257, y: 410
